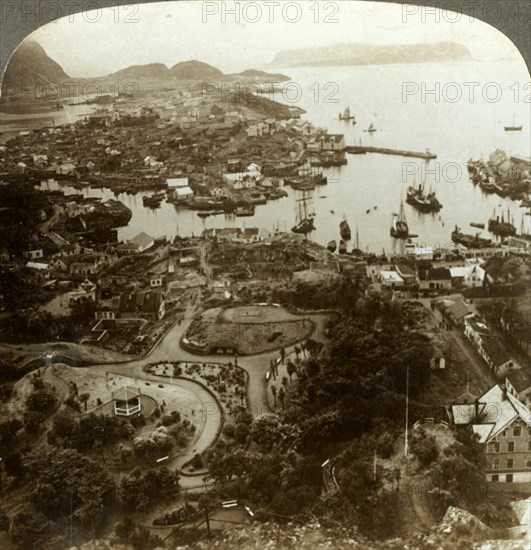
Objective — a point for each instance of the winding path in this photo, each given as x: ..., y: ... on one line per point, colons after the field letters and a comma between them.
x: 168, y: 349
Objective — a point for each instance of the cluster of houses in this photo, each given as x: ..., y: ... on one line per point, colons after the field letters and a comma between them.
x: 422, y: 274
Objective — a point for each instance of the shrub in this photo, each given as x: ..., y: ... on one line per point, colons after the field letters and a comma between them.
x: 228, y: 430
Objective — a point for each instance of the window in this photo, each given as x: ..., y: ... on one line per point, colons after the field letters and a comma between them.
x: 517, y: 430
x: 510, y: 447
x: 529, y: 445
x: 503, y: 433
x: 528, y: 464
x: 496, y: 464
x: 510, y: 463
x: 509, y: 478
x: 528, y: 431
x: 496, y: 447
x: 495, y: 477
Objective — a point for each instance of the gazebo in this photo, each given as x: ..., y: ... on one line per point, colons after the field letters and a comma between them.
x: 126, y: 401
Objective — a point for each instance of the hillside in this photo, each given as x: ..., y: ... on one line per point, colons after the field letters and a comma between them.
x: 365, y: 54
x: 30, y: 66
x: 195, y: 70
x: 151, y: 70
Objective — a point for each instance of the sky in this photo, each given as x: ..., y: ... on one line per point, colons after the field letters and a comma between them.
x: 100, y: 42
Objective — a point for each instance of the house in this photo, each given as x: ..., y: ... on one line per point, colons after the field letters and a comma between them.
x: 502, y: 424
x: 408, y: 273
x: 456, y: 312
x: 65, y: 169
x: 4, y: 255
x: 217, y: 192
x: 330, y: 142
x: 142, y: 242
x: 34, y: 254
x: 391, y: 279
x: 488, y: 346
x: 437, y: 278
x: 182, y: 193
x: 249, y: 235
x: 468, y: 275
x: 175, y: 183
x: 518, y: 383
x: 423, y: 253
x: 156, y: 282
x: 150, y: 304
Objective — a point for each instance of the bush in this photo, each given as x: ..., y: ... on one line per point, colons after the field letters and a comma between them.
x: 241, y: 432
x: 228, y: 430
x: 424, y: 447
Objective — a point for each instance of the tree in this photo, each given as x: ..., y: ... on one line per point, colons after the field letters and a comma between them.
x: 43, y: 400
x: 33, y: 422
x: 241, y: 431
x: 424, y: 447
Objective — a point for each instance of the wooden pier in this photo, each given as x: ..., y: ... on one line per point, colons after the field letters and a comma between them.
x: 362, y: 149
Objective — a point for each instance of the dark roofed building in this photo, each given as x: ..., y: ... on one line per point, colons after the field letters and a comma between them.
x: 150, y: 304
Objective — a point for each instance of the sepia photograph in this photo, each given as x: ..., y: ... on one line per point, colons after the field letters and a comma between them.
x: 265, y: 277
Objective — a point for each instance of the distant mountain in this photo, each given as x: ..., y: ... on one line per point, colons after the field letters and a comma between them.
x: 365, y: 54
x: 151, y: 70
x: 30, y: 66
x: 195, y: 70
x: 255, y: 74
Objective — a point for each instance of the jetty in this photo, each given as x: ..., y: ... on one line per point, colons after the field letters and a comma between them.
x: 362, y: 149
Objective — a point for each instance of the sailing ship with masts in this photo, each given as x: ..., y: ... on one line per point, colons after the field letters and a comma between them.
x: 308, y: 177
x: 513, y: 128
x: 399, y: 227
x: 501, y: 227
x: 344, y: 230
x: 347, y: 116
x: 424, y: 203
x: 304, y: 223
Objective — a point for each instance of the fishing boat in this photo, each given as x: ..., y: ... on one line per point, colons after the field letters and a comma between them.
x: 332, y: 246
x: 399, y: 227
x: 153, y: 201
x: 301, y: 184
x: 513, y: 128
x: 247, y: 210
x: 342, y: 247
x: 371, y: 128
x: 304, y: 223
x: 478, y: 225
x: 346, y: 115
x: 344, y: 230
x: 424, y: 203
x: 357, y: 251
x: 488, y: 185
x: 470, y: 241
x: 500, y: 227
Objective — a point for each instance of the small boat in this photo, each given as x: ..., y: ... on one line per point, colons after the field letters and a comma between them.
x: 478, y: 225
x: 513, y: 128
x: 376, y: 207
x: 371, y: 128
x: 344, y: 230
x: 332, y: 246
x: 203, y: 214
x: 342, y: 247
x: 84, y: 183
x: 470, y: 241
x: 346, y: 115
x: 399, y: 227
x: 300, y: 184
x: 247, y: 210
x: 153, y: 201
x: 332, y: 212
x: 368, y: 211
